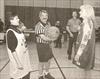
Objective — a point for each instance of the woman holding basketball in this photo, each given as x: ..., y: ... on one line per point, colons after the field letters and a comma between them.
x: 43, y: 45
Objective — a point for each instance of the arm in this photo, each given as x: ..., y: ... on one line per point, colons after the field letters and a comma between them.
x: 80, y: 24
x: 84, y: 42
x: 12, y: 44
x: 67, y: 28
x: 44, y: 37
x: 40, y: 33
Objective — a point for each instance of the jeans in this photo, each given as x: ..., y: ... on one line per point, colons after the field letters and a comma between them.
x: 72, y: 41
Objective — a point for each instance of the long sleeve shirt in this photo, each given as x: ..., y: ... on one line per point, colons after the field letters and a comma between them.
x: 11, y: 39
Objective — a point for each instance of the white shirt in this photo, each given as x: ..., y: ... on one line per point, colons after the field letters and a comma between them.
x: 23, y: 56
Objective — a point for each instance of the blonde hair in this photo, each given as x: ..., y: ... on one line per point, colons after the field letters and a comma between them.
x: 90, y: 14
x: 89, y: 11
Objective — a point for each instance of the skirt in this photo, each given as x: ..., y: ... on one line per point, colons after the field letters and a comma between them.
x: 44, y: 52
x: 87, y: 59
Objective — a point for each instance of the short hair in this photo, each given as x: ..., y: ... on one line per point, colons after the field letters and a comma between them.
x: 42, y: 11
x: 12, y: 16
x: 74, y: 11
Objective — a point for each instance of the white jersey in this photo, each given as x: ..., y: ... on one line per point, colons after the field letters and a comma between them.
x: 23, y: 56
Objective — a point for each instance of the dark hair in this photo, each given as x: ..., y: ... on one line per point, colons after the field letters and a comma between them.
x: 12, y: 16
x: 74, y: 11
x: 42, y: 11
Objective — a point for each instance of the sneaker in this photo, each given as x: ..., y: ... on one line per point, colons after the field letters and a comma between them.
x: 41, y: 77
x: 48, y: 76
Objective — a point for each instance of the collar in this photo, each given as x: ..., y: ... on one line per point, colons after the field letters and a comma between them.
x: 15, y: 28
x: 44, y: 24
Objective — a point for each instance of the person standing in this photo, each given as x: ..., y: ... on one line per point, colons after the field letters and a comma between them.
x: 1, y: 25
x: 20, y: 66
x: 85, y: 45
x: 43, y: 46
x: 58, y: 43
x: 72, y: 27
x: 1, y: 31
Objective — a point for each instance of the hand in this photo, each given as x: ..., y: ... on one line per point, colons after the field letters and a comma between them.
x: 45, y: 38
x: 20, y: 67
x: 77, y: 57
x: 71, y: 35
x: 26, y: 50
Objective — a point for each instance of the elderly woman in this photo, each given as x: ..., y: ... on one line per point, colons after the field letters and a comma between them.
x: 85, y: 45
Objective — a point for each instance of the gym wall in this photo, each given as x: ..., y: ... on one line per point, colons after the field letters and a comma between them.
x: 28, y: 10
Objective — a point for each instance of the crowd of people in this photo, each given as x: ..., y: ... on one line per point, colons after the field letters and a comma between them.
x: 81, y: 37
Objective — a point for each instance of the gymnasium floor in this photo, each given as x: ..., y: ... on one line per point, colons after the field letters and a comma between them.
x: 70, y: 70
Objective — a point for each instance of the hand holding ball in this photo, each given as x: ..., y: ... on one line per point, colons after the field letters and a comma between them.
x: 52, y: 33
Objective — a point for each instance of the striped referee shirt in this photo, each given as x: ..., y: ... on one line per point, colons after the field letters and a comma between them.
x: 40, y: 29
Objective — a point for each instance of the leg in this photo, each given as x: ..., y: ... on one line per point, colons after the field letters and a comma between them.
x: 47, y: 74
x: 69, y: 52
x: 75, y: 39
x: 56, y: 43
x: 47, y: 66
x: 40, y: 51
x: 60, y: 44
x: 40, y: 67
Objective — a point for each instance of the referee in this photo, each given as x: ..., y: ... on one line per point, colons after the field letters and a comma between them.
x: 43, y: 46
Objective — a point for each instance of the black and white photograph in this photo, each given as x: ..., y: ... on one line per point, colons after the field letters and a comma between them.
x: 49, y: 39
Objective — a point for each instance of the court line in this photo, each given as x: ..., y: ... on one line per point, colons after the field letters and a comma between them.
x: 4, y: 65
x: 50, y: 68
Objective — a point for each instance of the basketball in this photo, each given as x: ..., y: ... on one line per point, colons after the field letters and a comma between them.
x: 52, y: 33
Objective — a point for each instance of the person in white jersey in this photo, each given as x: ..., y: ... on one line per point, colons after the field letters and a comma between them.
x: 20, y: 66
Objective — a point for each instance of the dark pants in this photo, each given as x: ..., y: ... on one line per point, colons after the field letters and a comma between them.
x: 44, y: 52
x: 72, y: 41
x: 25, y: 77
x: 58, y: 42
